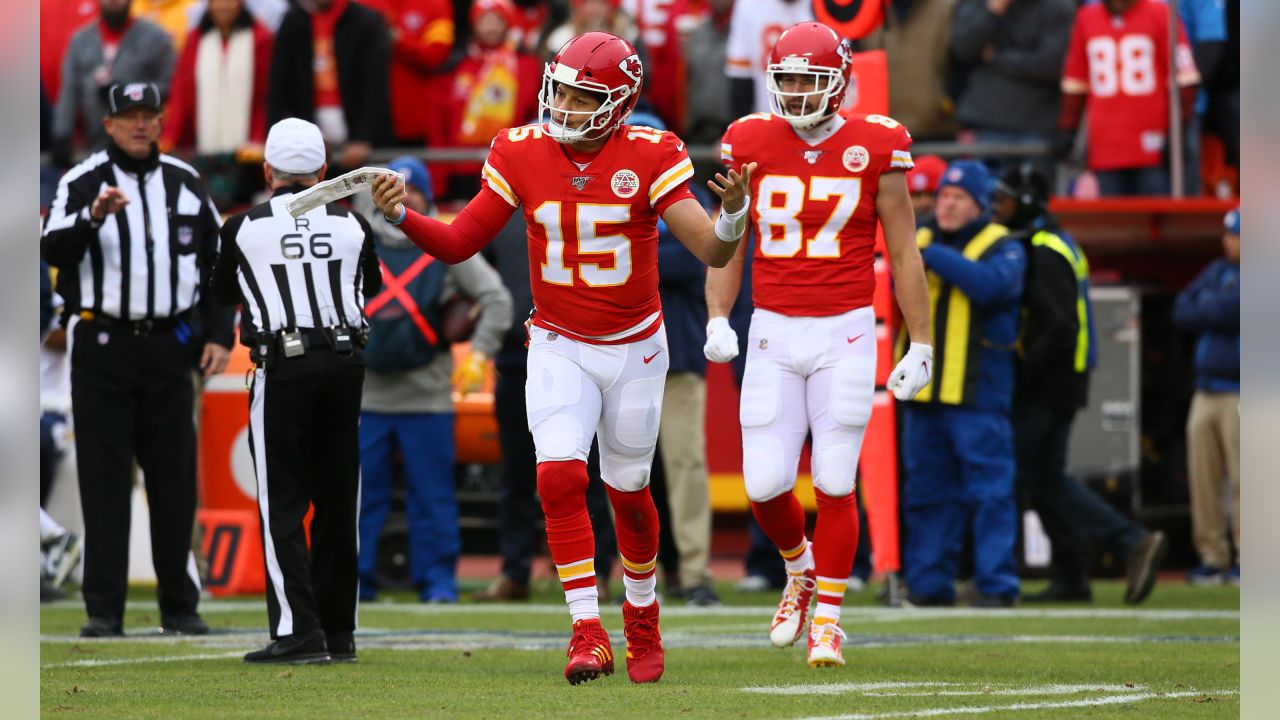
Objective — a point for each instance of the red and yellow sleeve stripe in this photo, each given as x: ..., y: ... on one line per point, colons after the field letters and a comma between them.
x: 670, y: 180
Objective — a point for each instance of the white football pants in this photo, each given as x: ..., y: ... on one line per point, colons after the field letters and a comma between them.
x: 806, y: 374
x: 576, y: 390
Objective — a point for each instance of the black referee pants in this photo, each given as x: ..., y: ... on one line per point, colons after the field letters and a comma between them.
x: 304, y: 419
x: 131, y: 398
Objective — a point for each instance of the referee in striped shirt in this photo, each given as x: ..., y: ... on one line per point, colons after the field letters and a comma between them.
x: 135, y: 237
x: 302, y: 285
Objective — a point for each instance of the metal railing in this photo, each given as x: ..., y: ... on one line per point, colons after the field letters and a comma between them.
x: 711, y: 153
x: 699, y: 153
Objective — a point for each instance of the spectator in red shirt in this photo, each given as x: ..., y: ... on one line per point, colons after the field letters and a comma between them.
x: 422, y: 36
x: 219, y: 97
x: 494, y: 87
x: 530, y: 20
x: 59, y: 20
x: 658, y: 21
x: 1117, y: 65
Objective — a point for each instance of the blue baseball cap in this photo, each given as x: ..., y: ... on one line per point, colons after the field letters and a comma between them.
x: 643, y: 117
x: 1232, y: 222
x: 972, y: 177
x: 415, y: 174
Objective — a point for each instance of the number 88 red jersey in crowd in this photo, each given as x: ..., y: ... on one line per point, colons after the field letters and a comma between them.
x: 1122, y: 63
x: 592, y: 225
x: 813, y: 208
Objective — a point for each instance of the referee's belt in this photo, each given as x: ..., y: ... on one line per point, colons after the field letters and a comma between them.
x: 269, y: 348
x: 143, y: 327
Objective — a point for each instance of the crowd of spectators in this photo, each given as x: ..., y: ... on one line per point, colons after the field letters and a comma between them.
x: 404, y: 74
x: 387, y: 76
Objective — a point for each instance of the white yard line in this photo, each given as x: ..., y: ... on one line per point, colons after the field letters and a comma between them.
x: 1030, y: 690
x: 695, y: 638
x: 841, y: 688
x: 141, y: 661
x: 1123, y: 699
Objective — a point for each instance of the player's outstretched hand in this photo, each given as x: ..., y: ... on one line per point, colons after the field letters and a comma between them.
x: 733, y: 189
x: 912, y: 373
x: 722, y: 341
x: 388, y: 194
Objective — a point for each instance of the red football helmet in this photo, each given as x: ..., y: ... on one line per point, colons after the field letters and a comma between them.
x: 597, y: 62
x: 809, y: 48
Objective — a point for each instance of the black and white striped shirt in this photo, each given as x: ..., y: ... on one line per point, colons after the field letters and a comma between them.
x: 146, y: 261
x: 314, y: 271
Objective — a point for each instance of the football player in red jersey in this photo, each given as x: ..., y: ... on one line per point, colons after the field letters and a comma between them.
x: 592, y: 189
x: 823, y: 183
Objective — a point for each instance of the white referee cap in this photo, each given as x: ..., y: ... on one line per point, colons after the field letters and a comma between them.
x: 295, y: 146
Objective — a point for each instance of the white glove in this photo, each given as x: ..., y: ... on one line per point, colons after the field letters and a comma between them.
x: 722, y: 341
x: 913, y: 372
x: 323, y: 193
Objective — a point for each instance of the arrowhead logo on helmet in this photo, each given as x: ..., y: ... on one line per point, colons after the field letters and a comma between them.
x: 631, y: 66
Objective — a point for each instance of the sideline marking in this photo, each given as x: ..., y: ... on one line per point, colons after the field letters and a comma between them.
x: 476, y: 638
x: 140, y: 661
x: 1093, y: 702
x: 879, y: 614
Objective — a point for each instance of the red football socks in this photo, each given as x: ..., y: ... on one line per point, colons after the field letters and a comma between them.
x: 637, y: 528
x: 562, y: 485
x: 835, y: 539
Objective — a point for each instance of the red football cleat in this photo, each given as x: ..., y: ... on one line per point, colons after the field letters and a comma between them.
x: 824, y: 643
x: 644, y: 642
x: 590, y: 655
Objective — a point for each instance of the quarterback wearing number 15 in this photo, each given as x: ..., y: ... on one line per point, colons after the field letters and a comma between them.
x: 822, y: 185
x: 592, y: 189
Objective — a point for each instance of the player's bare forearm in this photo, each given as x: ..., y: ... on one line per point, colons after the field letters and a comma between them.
x: 723, y: 284
x: 691, y: 226
x: 893, y: 204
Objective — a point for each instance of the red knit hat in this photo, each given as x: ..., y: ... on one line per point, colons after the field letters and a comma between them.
x: 503, y: 7
x: 927, y: 174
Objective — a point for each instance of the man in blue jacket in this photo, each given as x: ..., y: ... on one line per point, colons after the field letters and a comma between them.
x: 682, y: 438
x: 1210, y: 308
x: 958, y: 442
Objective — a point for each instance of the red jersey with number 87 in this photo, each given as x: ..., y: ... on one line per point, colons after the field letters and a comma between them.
x: 813, y: 209
x: 593, y: 225
x: 1122, y: 63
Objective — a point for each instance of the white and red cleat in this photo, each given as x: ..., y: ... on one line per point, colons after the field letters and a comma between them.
x: 590, y: 654
x: 789, y: 621
x: 824, y: 643
x: 644, y: 642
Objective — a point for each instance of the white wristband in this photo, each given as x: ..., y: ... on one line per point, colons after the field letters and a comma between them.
x: 404, y: 212
x: 729, y: 227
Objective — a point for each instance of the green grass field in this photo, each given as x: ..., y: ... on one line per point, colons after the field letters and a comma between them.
x: 1178, y: 655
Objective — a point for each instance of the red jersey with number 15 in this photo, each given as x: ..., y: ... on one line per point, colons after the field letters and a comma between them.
x: 813, y: 209
x: 593, y: 225
x: 1122, y: 63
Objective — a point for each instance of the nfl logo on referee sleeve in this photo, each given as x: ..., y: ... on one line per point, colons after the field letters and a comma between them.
x: 185, y: 235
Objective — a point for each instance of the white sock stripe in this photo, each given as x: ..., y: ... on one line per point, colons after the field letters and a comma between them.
x: 193, y: 571
x: 583, y: 603
x: 827, y: 611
